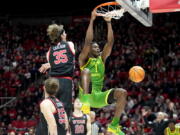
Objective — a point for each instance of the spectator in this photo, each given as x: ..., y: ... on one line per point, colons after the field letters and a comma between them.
x: 172, y: 129
x: 156, y: 49
x: 12, y: 133
x: 96, y: 127
x: 158, y: 125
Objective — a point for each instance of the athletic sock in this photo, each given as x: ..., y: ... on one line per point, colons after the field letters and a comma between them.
x: 115, y: 121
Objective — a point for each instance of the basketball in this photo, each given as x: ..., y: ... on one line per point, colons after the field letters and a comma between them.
x: 136, y: 74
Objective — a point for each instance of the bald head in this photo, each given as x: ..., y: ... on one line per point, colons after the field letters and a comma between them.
x: 160, y: 116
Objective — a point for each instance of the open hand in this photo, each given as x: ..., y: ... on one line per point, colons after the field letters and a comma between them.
x: 107, y: 19
x: 93, y: 14
x: 44, y: 67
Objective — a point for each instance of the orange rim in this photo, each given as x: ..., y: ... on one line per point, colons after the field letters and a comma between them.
x: 107, y: 4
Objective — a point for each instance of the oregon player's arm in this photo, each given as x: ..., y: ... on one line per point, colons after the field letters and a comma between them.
x: 88, y: 40
x: 46, y: 109
x: 88, y: 125
x: 165, y: 131
x: 110, y: 40
x: 44, y: 67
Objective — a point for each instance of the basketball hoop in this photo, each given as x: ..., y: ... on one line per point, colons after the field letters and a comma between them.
x: 110, y: 9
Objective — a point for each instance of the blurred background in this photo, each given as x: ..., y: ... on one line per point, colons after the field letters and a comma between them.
x: 24, y: 43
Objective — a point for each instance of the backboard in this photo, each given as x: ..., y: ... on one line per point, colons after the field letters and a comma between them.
x: 138, y: 9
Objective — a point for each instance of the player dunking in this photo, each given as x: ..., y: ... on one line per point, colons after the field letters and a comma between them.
x: 80, y: 123
x: 60, y: 58
x: 53, y: 118
x: 92, y: 64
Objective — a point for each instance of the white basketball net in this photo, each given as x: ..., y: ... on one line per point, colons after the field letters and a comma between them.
x: 112, y: 11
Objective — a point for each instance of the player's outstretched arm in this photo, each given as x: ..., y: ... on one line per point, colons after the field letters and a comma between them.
x: 110, y: 40
x: 44, y: 67
x: 88, y: 40
x: 88, y: 125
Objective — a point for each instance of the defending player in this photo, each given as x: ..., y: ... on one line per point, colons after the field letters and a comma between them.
x: 53, y: 118
x: 60, y: 57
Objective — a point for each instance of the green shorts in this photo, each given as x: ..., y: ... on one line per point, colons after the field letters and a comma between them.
x: 96, y: 99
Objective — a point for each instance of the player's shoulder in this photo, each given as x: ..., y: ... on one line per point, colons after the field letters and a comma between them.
x: 70, y: 42
x: 100, y: 58
x: 45, y: 103
x: 71, y: 46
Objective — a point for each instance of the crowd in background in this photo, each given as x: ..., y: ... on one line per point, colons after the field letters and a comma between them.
x: 156, y: 49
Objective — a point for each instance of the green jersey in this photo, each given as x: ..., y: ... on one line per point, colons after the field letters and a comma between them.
x: 97, y: 69
x: 96, y: 98
x: 176, y: 132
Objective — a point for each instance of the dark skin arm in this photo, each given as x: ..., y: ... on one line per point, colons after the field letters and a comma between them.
x: 88, y: 40
x: 110, y: 41
x: 83, y: 57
